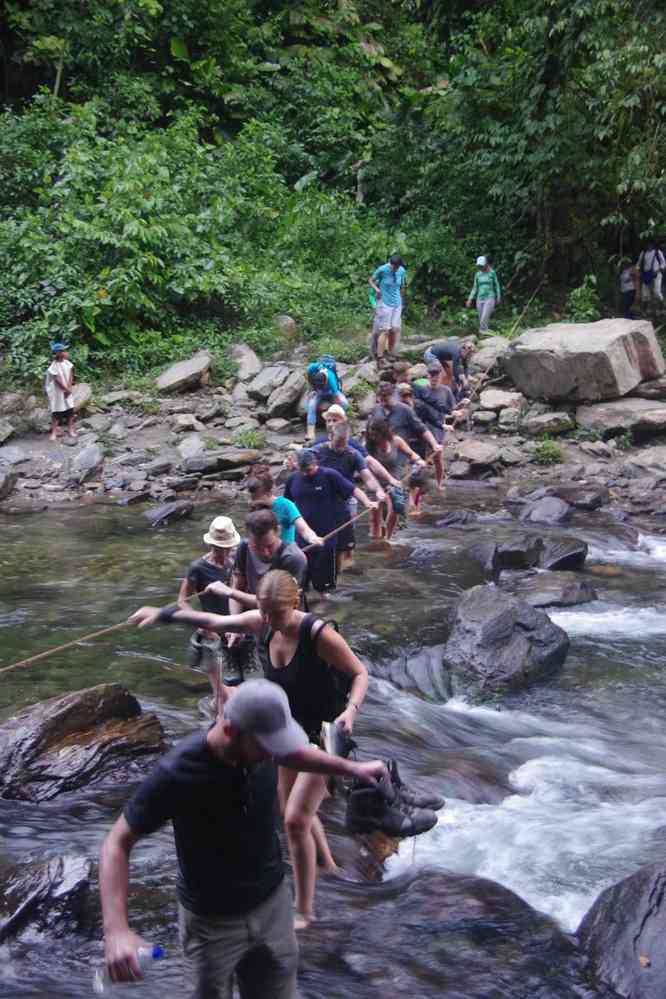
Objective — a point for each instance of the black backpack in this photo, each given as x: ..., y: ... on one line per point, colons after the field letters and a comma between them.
x: 337, y: 686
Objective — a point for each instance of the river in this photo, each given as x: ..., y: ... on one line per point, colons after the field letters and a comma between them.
x: 555, y: 792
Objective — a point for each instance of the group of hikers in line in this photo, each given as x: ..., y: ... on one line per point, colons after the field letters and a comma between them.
x: 219, y: 788
x: 644, y: 278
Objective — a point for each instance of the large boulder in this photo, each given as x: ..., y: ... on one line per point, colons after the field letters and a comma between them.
x: 521, y: 552
x: 48, y: 897
x: 584, y: 361
x: 552, y: 589
x: 583, y: 497
x: 649, y: 459
x: 6, y: 430
x: 563, y: 553
x: 185, y: 374
x: 500, y: 643
x: 248, y: 363
x: 477, y: 454
x: 237, y: 457
x: 654, y: 389
x: 268, y: 379
x: 623, y: 935
x: 548, y: 510
x: 547, y: 423
x: 169, y: 513
x: 70, y: 741
x: 284, y: 399
x: 497, y: 399
x: 85, y: 465
x: 191, y: 445
x: 489, y: 355
x: 634, y: 414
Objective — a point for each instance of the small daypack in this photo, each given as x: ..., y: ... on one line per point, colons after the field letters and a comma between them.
x: 338, y: 685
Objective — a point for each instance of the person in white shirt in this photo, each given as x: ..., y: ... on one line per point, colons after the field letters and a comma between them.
x: 58, y: 385
x: 651, y: 263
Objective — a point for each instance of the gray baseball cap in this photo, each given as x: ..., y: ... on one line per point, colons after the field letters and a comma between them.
x: 260, y: 708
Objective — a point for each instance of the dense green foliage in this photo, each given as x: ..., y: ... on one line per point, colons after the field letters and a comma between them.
x: 173, y: 173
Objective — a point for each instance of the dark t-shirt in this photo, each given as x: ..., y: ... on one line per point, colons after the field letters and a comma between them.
x: 352, y: 443
x: 449, y: 351
x: 287, y: 557
x: 401, y: 419
x: 318, y: 497
x: 224, y: 825
x: 348, y: 462
x: 200, y: 574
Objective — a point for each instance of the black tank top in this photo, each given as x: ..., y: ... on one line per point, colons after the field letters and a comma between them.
x: 305, y: 679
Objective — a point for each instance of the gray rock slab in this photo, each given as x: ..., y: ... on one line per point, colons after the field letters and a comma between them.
x: 497, y: 399
x: 13, y: 455
x: 632, y: 413
x: 478, y: 454
x: 488, y: 356
x: 6, y: 430
x: 283, y: 400
x: 547, y: 423
x: 184, y: 374
x: 8, y: 479
x: 267, y: 381
x: 190, y: 446
x: 248, y: 363
x: 584, y: 361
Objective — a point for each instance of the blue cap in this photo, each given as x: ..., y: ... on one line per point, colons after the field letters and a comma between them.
x: 157, y: 952
x: 57, y: 347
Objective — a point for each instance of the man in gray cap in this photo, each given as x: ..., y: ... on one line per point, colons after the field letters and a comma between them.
x: 219, y: 790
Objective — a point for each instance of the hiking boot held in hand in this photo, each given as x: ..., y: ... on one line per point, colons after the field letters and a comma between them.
x: 377, y: 809
x: 414, y: 799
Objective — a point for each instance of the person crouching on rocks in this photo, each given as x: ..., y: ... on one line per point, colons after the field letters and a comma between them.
x: 323, y: 680
x: 58, y: 385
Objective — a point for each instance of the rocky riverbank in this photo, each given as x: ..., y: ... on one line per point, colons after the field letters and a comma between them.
x: 187, y: 438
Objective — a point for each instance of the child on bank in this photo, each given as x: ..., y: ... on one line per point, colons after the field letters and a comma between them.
x: 58, y: 385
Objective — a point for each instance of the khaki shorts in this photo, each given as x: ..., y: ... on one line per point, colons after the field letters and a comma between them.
x: 387, y: 318
x: 259, y: 948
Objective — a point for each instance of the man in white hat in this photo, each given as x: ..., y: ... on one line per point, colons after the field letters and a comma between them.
x: 486, y: 291
x: 217, y: 565
x: 219, y: 790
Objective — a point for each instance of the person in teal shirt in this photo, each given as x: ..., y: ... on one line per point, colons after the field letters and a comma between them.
x: 486, y: 292
x: 388, y: 283
x: 261, y: 487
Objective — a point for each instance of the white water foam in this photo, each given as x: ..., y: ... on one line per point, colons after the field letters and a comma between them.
x: 651, y: 551
x: 604, y: 621
x: 557, y: 846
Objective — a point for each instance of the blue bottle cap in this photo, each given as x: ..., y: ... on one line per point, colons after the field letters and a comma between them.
x: 157, y: 952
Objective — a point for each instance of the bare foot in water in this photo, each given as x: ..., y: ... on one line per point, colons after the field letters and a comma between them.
x: 302, y: 921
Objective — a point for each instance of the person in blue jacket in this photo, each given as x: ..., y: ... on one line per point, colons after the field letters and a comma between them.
x: 323, y: 378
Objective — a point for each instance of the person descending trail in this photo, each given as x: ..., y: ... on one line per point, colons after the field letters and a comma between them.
x: 388, y: 283
x: 323, y: 680
x: 486, y: 291
x: 218, y: 789
x: 393, y: 452
x: 651, y: 264
x: 217, y: 565
x: 326, y: 387
x: 261, y: 487
x: 454, y: 357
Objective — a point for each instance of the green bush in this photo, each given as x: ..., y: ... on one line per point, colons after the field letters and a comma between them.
x: 547, y: 452
x: 583, y: 304
x: 251, y: 439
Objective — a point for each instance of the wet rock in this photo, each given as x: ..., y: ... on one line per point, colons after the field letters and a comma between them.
x: 8, y: 479
x: 583, y: 497
x: 584, y: 361
x: 169, y: 513
x: 182, y: 483
x: 509, y: 420
x: 6, y: 430
x: 459, y: 469
x: 158, y: 466
x: 267, y: 381
x: 235, y: 457
x: 549, y: 510
x: 630, y: 414
x: 488, y: 357
x: 184, y: 374
x: 81, y: 396
x: 85, y: 465
x: 547, y: 423
x: 12, y: 455
x: 512, y: 456
x: 552, y: 589
x: 50, y: 897
x: 654, y: 389
x: 458, y: 518
x: 623, y: 935
x: 186, y: 423
x: 518, y: 553
x: 130, y: 458
x: 484, y: 417
x: 563, y: 553
x: 71, y: 741
x: 217, y: 409
x: 500, y: 643
x: 497, y: 399
x: 649, y: 459
x: 123, y: 395
x: 284, y: 399
x: 278, y: 424
x: 478, y: 454
x: 204, y: 463
x: 191, y: 446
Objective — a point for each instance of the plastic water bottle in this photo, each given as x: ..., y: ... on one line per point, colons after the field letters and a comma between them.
x: 102, y: 984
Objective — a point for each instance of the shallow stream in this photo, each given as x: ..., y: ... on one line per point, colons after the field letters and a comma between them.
x: 556, y: 792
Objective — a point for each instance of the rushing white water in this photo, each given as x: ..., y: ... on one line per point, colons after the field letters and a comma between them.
x: 651, y: 551
x: 611, y: 621
x: 571, y: 828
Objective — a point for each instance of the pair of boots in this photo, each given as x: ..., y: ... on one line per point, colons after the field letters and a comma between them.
x: 391, y: 808
x: 206, y: 654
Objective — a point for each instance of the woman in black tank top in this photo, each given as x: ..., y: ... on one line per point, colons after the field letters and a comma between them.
x: 302, y: 654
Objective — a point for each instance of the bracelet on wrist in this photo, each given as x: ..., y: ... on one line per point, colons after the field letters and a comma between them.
x: 166, y: 614
x: 354, y: 706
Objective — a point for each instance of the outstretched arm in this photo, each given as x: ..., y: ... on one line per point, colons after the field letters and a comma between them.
x: 248, y: 623
x: 120, y: 942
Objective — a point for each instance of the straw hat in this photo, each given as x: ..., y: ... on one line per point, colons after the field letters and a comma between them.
x: 222, y: 533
